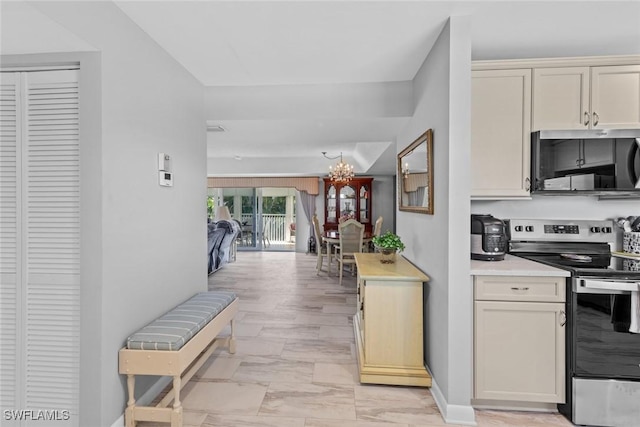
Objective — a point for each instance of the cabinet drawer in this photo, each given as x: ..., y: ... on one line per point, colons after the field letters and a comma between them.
x: 520, y: 288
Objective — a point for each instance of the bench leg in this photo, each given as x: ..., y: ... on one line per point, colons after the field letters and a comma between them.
x: 131, y: 403
x: 232, y: 339
x: 176, y: 414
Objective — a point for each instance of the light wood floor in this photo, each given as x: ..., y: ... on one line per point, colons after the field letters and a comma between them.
x: 295, y: 363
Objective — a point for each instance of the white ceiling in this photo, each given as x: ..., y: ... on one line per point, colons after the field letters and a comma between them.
x: 237, y: 43
x: 292, y: 47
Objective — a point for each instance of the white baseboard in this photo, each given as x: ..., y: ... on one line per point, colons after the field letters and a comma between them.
x: 452, y: 414
x: 119, y: 422
x: 147, y: 397
x: 514, y: 405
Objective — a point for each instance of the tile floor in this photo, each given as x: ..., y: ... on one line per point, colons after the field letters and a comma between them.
x: 295, y: 363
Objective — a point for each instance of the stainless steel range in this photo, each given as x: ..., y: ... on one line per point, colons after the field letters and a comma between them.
x: 603, y: 356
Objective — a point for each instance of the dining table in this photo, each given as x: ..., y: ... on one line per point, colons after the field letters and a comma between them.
x: 332, y: 237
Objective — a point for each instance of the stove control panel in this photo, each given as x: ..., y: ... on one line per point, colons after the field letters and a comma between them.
x: 561, y: 230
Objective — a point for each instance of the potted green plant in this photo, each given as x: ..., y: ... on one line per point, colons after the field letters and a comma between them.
x: 388, y: 244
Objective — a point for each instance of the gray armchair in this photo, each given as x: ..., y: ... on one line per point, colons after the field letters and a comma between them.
x: 222, y: 236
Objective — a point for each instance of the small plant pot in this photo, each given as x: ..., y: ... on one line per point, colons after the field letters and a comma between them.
x: 387, y: 256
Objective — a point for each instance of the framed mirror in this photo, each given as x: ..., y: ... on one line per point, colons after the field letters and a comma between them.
x: 415, y: 175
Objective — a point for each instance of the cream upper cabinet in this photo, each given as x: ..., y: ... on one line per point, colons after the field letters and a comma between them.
x: 615, y: 97
x: 586, y: 154
x: 604, y: 97
x: 560, y: 98
x: 500, y: 133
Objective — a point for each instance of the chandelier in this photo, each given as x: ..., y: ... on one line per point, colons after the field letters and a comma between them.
x: 342, y: 172
x: 405, y: 170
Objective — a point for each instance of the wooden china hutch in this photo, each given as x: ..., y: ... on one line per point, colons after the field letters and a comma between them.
x: 350, y: 199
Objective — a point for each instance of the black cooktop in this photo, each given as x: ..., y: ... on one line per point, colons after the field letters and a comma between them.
x: 593, y: 265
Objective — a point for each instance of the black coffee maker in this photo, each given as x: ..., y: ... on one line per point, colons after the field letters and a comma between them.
x: 488, y: 238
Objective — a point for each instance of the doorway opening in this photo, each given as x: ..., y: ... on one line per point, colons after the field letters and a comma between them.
x: 266, y: 216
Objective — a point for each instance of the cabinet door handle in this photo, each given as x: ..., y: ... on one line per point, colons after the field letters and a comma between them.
x: 520, y: 289
x: 586, y: 118
x: 580, y: 162
x: 596, y: 118
x: 563, y: 318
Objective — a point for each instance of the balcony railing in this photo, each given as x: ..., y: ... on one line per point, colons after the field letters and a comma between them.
x: 274, y: 226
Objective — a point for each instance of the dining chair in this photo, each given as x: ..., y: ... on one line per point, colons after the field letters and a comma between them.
x: 266, y: 233
x: 377, y: 230
x: 321, y: 246
x: 292, y: 232
x: 351, y: 236
x: 247, y: 234
x: 240, y: 238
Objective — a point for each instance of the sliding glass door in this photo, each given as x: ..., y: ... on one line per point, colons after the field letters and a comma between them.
x: 266, y: 216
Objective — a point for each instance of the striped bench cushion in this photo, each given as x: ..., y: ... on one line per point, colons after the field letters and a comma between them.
x: 173, y: 329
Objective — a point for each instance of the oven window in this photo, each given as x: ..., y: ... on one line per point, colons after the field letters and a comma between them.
x: 603, y: 345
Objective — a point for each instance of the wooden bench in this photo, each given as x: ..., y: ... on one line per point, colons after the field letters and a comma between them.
x: 177, y: 344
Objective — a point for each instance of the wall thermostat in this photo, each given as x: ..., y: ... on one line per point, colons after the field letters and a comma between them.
x: 165, y: 179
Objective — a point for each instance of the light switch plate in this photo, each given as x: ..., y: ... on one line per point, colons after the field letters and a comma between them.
x: 163, y: 162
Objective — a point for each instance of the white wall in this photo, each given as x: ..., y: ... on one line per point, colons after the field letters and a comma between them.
x: 347, y: 100
x: 434, y: 242
x: 332, y: 117
x: 384, y: 201
x: 560, y: 207
x: 153, y: 239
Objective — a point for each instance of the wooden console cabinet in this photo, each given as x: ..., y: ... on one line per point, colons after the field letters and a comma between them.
x: 388, y: 322
x: 349, y: 199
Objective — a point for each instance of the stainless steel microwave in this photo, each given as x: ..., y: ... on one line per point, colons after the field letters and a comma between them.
x: 587, y: 162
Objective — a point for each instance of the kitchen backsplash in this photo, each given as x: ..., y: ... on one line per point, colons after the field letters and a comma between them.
x: 560, y: 207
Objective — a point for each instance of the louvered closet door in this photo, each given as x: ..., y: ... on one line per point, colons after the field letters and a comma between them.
x: 48, y: 229
x: 9, y: 232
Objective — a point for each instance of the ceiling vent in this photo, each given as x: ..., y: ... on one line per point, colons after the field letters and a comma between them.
x: 215, y: 128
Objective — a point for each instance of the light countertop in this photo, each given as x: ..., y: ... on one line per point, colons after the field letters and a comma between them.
x: 370, y: 268
x: 514, y: 266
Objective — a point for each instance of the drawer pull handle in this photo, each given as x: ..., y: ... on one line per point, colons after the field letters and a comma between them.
x: 519, y: 289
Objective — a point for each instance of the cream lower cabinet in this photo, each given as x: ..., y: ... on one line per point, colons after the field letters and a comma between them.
x: 519, y: 339
x: 500, y: 133
x: 388, y: 323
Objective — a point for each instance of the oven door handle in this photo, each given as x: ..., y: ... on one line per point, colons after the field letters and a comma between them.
x: 610, y: 285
